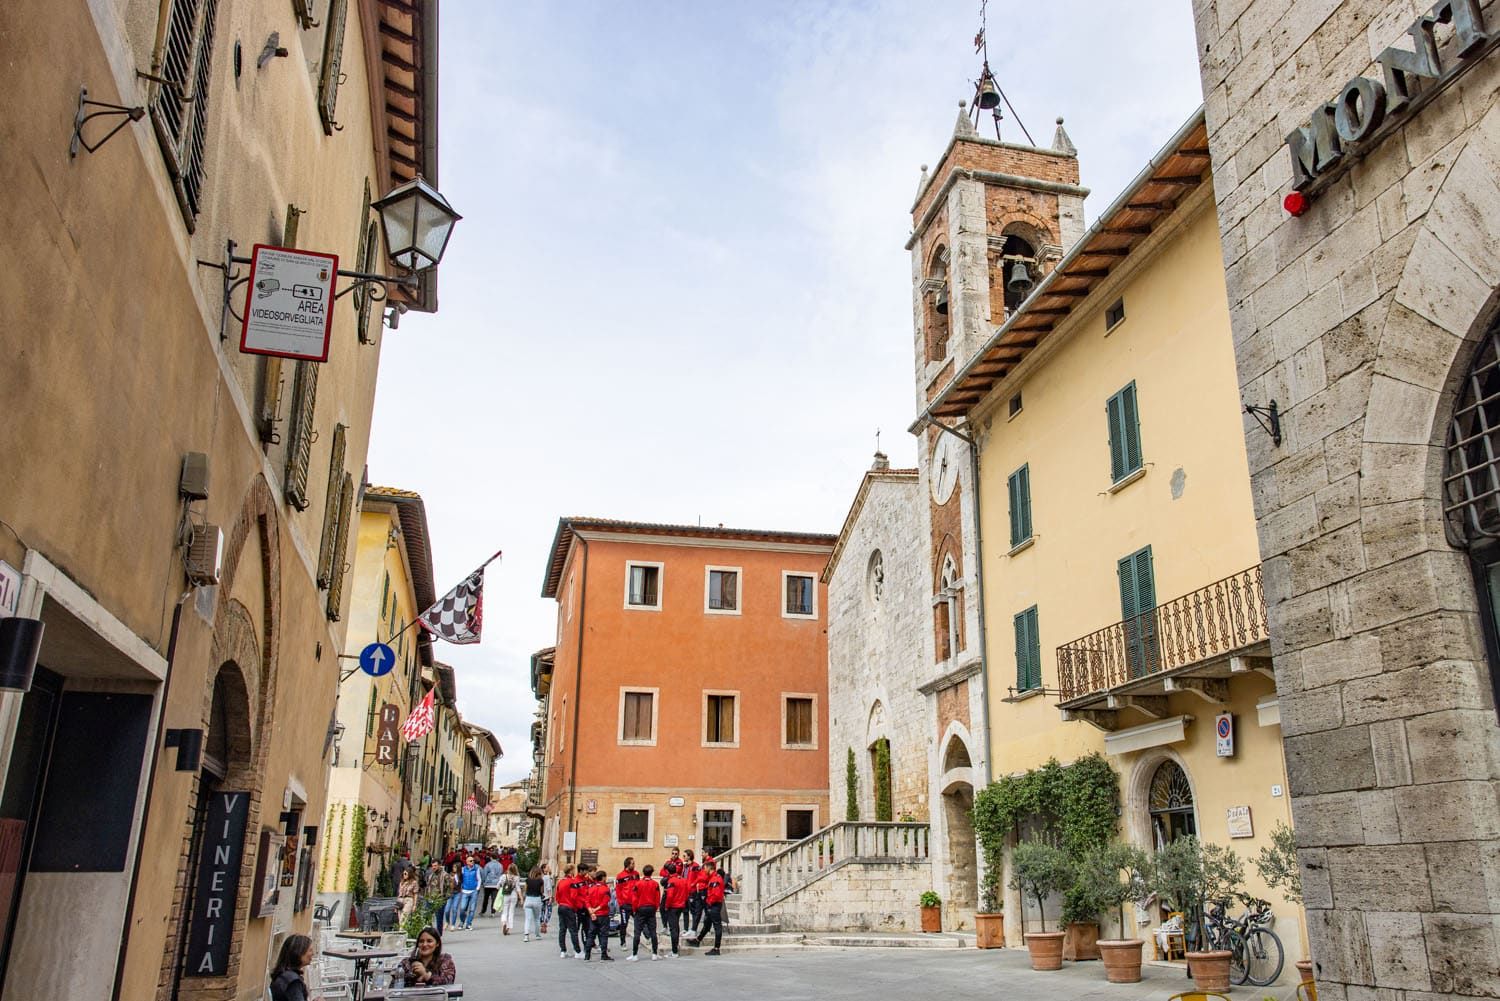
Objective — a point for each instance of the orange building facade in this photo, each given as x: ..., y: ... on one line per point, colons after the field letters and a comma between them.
x: 687, y: 699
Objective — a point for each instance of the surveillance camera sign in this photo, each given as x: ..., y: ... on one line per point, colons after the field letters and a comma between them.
x: 289, y: 308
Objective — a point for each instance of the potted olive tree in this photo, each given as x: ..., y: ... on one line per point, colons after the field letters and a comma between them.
x: 1038, y: 871
x: 1115, y: 875
x: 1187, y: 874
x: 932, y: 912
x: 1278, y: 867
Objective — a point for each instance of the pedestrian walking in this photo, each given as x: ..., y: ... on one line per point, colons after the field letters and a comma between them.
x: 437, y: 891
x: 713, y: 906
x: 510, y: 885
x: 549, y: 890
x: 624, y: 888
x: 645, y: 898
x: 286, y: 978
x: 455, y: 897
x: 675, y: 890
x: 567, y: 914
x: 468, y: 892
x: 532, y: 904
x: 596, y: 901
x: 490, y: 881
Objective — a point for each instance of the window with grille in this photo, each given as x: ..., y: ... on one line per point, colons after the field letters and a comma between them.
x: 723, y: 590
x: 1124, y: 433
x: 1471, y: 482
x: 637, y: 721
x: 719, y: 719
x: 1020, y: 506
x: 799, y: 594
x: 633, y: 826
x: 1028, y: 652
x: 799, y: 722
x: 179, y: 107
x: 643, y: 585
x: 329, y: 76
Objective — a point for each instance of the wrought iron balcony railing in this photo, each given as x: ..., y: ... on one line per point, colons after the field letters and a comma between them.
x: 1213, y: 621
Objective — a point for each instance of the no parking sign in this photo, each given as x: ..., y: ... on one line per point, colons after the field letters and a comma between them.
x: 1224, y: 731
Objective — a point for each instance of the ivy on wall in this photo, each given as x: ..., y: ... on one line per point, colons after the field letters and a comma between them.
x: 851, y: 789
x: 1075, y: 807
x: 338, y: 858
x: 357, y: 857
x: 883, y: 810
x: 323, y: 865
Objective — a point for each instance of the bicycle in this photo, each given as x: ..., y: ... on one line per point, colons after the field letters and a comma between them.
x: 1256, y: 953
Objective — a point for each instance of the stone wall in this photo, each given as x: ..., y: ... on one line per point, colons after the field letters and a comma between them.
x: 860, y: 896
x: 1360, y: 318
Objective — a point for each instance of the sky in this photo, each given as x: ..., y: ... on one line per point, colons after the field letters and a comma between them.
x: 679, y: 292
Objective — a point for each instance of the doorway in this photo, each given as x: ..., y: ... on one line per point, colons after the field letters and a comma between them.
x: 35, y: 731
x: 880, y: 768
x: 963, y: 875
x: 718, y: 832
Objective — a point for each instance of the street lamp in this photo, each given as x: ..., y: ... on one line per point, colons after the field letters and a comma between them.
x: 417, y: 222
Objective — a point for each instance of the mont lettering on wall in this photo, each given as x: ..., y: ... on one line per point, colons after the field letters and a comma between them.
x: 218, y: 884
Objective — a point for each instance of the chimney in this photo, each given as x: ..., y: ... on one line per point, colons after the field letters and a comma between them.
x: 881, y: 462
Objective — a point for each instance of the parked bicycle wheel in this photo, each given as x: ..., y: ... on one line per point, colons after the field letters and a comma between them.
x: 1263, y: 957
x: 1239, y: 966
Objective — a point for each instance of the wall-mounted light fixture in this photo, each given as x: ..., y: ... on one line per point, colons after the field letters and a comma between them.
x: 20, y: 645
x: 189, y: 744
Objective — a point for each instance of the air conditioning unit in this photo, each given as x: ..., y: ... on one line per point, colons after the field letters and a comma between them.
x: 205, y: 553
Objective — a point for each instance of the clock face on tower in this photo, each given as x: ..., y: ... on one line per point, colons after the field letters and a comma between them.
x: 943, y: 473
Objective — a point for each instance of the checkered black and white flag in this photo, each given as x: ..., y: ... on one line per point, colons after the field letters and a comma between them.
x: 458, y: 615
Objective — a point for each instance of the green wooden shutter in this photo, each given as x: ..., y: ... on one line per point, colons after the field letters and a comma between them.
x: 1137, y: 601
x: 1124, y: 433
x: 340, y: 545
x: 1036, y: 648
x: 357, y: 297
x: 331, y: 507
x: 367, y: 265
x: 1015, y: 509
x: 333, y: 55
x: 299, y: 449
x: 1025, y: 474
x: 1023, y: 653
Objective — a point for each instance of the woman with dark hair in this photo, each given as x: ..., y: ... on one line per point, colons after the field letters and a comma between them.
x: 428, y: 965
x: 286, y: 979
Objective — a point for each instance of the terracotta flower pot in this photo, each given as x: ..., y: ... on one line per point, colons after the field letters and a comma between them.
x: 1081, y: 941
x: 989, y: 931
x: 1210, y: 970
x: 1122, y: 959
x: 932, y: 918
x: 1046, y: 950
x: 1305, y: 975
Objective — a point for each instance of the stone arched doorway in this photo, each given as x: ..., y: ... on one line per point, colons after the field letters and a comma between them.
x: 958, y: 828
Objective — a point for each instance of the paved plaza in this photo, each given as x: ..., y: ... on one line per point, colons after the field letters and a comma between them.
x: 496, y: 968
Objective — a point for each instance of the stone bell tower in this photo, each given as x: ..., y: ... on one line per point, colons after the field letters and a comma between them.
x: 987, y: 224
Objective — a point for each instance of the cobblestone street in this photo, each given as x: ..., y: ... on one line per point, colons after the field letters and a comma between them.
x: 493, y: 968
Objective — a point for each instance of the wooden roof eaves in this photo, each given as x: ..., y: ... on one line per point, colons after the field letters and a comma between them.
x: 956, y: 399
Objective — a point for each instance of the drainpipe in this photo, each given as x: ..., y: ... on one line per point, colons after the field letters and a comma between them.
x: 984, y: 657
x: 583, y: 607
x: 140, y: 841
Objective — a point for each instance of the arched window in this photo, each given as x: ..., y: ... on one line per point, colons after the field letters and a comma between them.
x: 1171, y: 805
x: 935, y: 294
x: 1019, y: 270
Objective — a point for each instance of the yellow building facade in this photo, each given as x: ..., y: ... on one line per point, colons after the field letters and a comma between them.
x: 1121, y: 579
x: 371, y: 765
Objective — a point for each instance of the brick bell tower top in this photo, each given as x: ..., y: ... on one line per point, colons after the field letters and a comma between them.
x: 987, y: 224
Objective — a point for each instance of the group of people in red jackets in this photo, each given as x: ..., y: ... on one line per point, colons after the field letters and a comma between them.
x: 687, y: 896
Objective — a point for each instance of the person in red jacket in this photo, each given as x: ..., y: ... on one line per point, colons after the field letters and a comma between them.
x: 697, y: 878
x: 596, y: 905
x: 565, y: 896
x: 675, y: 891
x: 624, y: 889
x: 713, y: 905
x: 645, y: 898
x: 673, y: 863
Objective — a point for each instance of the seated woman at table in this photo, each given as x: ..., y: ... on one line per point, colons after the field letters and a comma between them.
x: 286, y: 979
x: 428, y: 965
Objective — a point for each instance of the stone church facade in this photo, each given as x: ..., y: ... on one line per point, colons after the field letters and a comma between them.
x: 1355, y: 149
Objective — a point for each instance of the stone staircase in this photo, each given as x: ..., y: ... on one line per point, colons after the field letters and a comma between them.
x: 769, y: 937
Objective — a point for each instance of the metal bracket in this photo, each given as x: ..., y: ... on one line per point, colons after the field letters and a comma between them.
x: 955, y: 432
x: 126, y: 115
x: 1269, y: 419
x: 232, y: 281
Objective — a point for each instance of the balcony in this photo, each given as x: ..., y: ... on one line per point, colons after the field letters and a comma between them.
x: 1194, y: 643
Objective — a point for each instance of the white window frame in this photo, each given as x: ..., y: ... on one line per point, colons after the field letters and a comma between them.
x: 655, y: 694
x: 785, y: 698
x: 787, y: 808
x: 798, y: 615
x: 614, y: 830
x: 739, y: 590
x: 698, y: 828
x: 661, y: 585
x: 703, y: 720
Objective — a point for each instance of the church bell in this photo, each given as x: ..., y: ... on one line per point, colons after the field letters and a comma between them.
x: 1020, y: 280
x: 989, y: 94
x: 941, y: 302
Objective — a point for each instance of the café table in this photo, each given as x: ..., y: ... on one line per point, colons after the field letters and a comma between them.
x: 361, y: 959
x: 369, y: 938
x: 395, y: 993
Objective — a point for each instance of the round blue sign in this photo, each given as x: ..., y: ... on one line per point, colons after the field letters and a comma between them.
x: 377, y: 659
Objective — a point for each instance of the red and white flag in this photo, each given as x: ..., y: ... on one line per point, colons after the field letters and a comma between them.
x: 422, y: 718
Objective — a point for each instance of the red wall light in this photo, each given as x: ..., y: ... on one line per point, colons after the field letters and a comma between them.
x: 1295, y: 203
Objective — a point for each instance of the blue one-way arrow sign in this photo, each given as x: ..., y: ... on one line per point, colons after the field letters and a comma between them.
x: 377, y: 659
